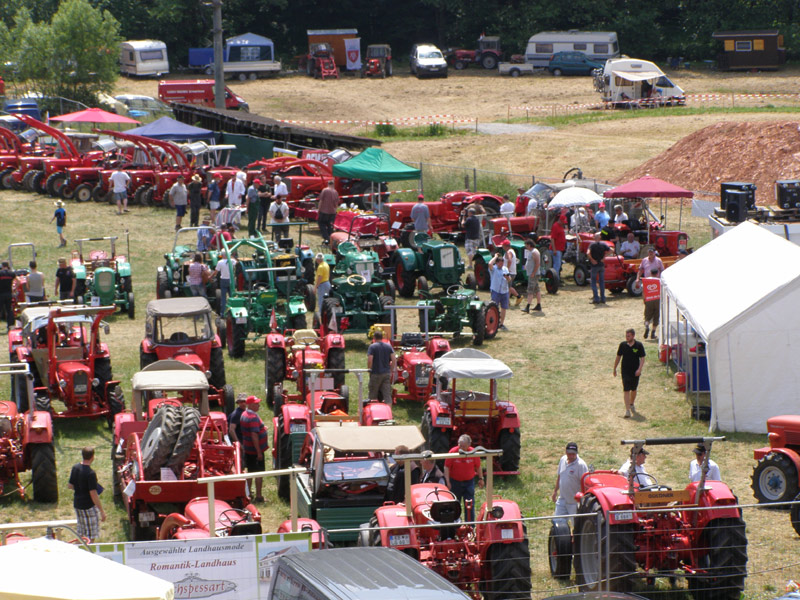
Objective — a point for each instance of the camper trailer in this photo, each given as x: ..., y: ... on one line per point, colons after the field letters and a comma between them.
x: 143, y: 58
x: 630, y: 82
x: 597, y: 45
x: 244, y: 57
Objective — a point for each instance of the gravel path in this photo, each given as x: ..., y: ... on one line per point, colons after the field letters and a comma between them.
x: 506, y: 128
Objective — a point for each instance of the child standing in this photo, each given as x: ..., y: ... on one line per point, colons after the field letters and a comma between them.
x: 60, y: 217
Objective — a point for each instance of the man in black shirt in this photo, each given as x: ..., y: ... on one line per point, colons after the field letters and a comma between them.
x: 472, y: 234
x: 632, y: 355
x: 83, y: 480
x: 6, y: 282
x: 597, y: 252
x: 65, y: 280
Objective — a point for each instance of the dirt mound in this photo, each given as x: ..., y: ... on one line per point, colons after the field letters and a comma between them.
x: 755, y: 152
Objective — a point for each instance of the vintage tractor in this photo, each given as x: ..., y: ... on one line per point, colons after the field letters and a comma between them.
x: 15, y: 148
x: 102, y: 278
x: 166, y: 442
x: 377, y: 61
x: 429, y: 262
x: 775, y: 475
x: 320, y: 62
x: 348, y: 472
x: 650, y: 531
x: 487, y: 55
x: 546, y: 274
x: 490, y: 421
x: 369, y: 232
x: 271, y: 291
x: 415, y: 355
x: 172, y: 279
x: 21, y: 271
x: 460, y: 307
x: 182, y: 329
x: 68, y: 362
x: 194, y: 524
x: 489, y: 558
x: 26, y: 439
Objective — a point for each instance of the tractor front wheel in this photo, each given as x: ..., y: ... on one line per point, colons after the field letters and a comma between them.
x: 510, y: 566
x: 283, y: 458
x: 422, y: 284
x: 237, y: 334
x: 509, y: 442
x: 39, y: 183
x: 479, y: 326
x: 774, y: 479
x: 386, y: 301
x: 559, y: 549
x: 228, y: 399
x: 159, y: 440
x: 309, y: 296
x: 794, y: 514
x: 54, y: 183
x: 482, y: 277
x: 5, y: 179
x: 162, y: 285
x: 404, y: 279
x: 581, y: 275
x: 336, y: 360
x: 633, y: 286
x: 551, y: 281
x: 437, y: 440
x: 276, y: 371
x: 216, y: 364
x: 116, y: 403
x: 82, y: 193
x: 131, y: 306
x: 724, y: 567
x: 44, y: 478
x: 390, y: 289
x: 492, y: 320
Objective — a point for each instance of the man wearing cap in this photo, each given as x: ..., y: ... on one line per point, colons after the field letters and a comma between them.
x: 571, y: 469
x: 558, y: 238
x: 120, y: 181
x: 381, y: 362
x: 500, y: 280
x: 178, y: 195
x: 195, y: 189
x: 65, y: 280
x: 460, y: 474
x: 632, y: 354
x: 472, y: 234
x: 601, y: 217
x: 640, y: 475
x: 251, y: 204
x: 322, y: 280
x: 420, y: 215
x: 234, y: 419
x: 696, y: 466
x: 254, y: 441
x: 597, y: 273
x: 328, y: 203
x: 511, y: 264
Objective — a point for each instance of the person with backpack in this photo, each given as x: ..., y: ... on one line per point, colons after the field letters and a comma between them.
x: 279, y: 213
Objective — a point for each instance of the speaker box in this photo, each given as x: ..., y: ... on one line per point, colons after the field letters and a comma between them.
x: 787, y: 193
x: 736, y: 206
x: 737, y: 186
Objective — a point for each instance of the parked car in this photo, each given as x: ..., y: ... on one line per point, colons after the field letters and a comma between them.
x: 572, y: 63
x: 143, y: 106
x: 427, y: 59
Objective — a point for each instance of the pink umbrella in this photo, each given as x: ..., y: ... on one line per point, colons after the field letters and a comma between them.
x: 93, y: 115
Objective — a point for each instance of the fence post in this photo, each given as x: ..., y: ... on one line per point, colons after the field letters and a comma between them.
x: 474, y: 180
x: 421, y: 184
x: 476, y: 124
x: 466, y: 180
x: 608, y: 551
x: 508, y: 115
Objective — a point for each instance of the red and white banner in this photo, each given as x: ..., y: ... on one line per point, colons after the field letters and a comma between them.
x: 651, y: 288
x: 352, y: 48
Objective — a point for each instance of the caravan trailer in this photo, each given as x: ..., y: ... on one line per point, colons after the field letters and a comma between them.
x: 144, y: 58
x: 630, y: 82
x: 597, y: 45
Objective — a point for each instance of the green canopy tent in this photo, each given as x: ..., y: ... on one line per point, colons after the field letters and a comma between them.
x: 377, y: 166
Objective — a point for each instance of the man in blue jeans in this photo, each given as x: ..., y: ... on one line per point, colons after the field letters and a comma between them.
x: 460, y: 473
x: 597, y: 252
x: 500, y: 279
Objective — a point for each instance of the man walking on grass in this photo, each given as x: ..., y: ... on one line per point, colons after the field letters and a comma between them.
x: 88, y: 509
x: 632, y: 354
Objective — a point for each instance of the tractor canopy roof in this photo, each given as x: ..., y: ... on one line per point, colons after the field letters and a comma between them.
x: 169, y: 375
x: 468, y: 363
x: 370, y: 439
x: 178, y: 307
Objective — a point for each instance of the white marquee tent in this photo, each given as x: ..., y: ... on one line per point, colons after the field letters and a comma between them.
x: 740, y: 295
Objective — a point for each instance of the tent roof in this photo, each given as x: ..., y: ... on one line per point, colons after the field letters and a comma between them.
x: 648, y: 187
x: 729, y: 276
x: 249, y: 39
x: 374, y: 164
x: 167, y: 128
x: 637, y: 75
x: 57, y: 564
x: 468, y: 363
x: 93, y: 115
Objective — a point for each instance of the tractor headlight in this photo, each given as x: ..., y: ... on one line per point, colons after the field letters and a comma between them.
x: 95, y: 382
x: 498, y: 512
x: 208, y: 374
x: 62, y: 384
x: 294, y: 374
x: 430, y: 263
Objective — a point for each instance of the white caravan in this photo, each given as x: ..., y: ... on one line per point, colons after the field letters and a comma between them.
x: 631, y: 81
x: 145, y: 58
x: 597, y: 45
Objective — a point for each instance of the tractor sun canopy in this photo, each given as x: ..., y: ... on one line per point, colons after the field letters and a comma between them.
x: 468, y: 363
x: 179, y: 376
x: 370, y: 439
x: 187, y: 307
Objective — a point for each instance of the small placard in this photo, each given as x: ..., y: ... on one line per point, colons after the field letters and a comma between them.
x: 168, y: 474
x: 366, y: 275
x: 130, y: 489
x: 95, y: 300
x: 397, y: 225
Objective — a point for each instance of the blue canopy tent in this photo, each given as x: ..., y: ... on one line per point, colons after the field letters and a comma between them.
x: 167, y: 128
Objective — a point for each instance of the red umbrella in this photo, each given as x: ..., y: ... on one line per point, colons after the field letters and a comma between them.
x: 93, y: 115
x: 648, y: 187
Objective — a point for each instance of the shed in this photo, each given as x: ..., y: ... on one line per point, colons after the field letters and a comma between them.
x: 336, y: 38
x: 756, y: 49
x: 737, y: 312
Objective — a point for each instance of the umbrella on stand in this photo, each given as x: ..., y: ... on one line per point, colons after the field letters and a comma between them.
x: 94, y: 115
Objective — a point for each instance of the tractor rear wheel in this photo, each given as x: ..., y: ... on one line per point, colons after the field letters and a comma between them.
x: 489, y: 61
x: 83, y: 193
x: 336, y: 360
x: 159, y: 439
x: 190, y: 424
x: 162, y: 285
x: 276, y: 371
x: 581, y: 275
x: 510, y: 566
x: 330, y: 309
x: 470, y: 282
x: 724, y: 564
x: 5, y: 179
x: 228, y: 399
x: 479, y: 326
x: 54, y: 184
x: 551, y: 281
x: 590, y: 559
x: 131, y: 306
x: 509, y: 442
x: 216, y: 364
x: 794, y: 514
x: 385, y: 302
x: 404, y: 280
x: 237, y: 333
x: 146, y: 358
x: 492, y: 320
x: 559, y: 549
x: 482, y: 277
x: 43, y: 476
x: 774, y: 479
x: 38, y: 183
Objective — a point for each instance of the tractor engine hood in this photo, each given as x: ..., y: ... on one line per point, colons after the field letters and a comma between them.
x: 74, y: 377
x: 191, y: 359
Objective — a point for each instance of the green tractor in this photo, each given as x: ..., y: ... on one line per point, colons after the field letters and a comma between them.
x: 103, y: 278
x: 427, y: 263
x: 359, y: 295
x: 460, y: 308
x: 267, y: 292
x: 172, y: 277
x: 547, y: 274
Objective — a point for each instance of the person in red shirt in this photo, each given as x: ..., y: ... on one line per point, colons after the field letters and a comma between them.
x: 222, y: 234
x: 559, y: 241
x: 460, y: 473
x: 254, y: 441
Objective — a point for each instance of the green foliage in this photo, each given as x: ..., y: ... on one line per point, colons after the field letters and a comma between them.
x: 385, y: 130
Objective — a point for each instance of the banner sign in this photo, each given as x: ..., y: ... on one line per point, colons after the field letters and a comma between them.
x: 352, y: 48
x: 227, y: 568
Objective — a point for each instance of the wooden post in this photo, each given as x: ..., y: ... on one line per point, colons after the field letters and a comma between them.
x: 212, y: 513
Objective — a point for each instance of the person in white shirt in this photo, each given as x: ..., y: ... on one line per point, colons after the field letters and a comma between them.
x: 280, y: 191
x: 234, y: 191
x: 279, y: 213
x: 641, y: 477
x: 223, y: 270
x: 696, y: 466
x: 507, y: 208
x: 630, y: 248
x: 619, y: 216
x: 120, y: 181
x: 571, y: 469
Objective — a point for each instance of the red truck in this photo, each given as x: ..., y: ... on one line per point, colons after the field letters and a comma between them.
x: 198, y: 91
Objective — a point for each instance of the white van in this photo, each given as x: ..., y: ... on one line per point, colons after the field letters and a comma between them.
x: 143, y: 58
x: 597, y: 45
x: 630, y: 79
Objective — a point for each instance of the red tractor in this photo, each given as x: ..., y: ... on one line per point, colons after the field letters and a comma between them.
x: 26, y: 438
x: 21, y: 271
x: 166, y: 442
x: 182, y: 329
x: 415, y: 356
x: 487, y: 55
x: 646, y: 530
x: 12, y: 149
x: 489, y: 558
x: 320, y: 62
x: 490, y: 421
x: 377, y: 61
x: 194, y: 524
x: 68, y: 361
x: 775, y: 477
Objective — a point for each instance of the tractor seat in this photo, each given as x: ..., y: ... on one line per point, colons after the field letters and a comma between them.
x: 445, y: 511
x: 298, y: 348
x: 412, y: 339
x: 96, y: 255
x: 286, y: 243
x: 179, y: 336
x: 305, y: 335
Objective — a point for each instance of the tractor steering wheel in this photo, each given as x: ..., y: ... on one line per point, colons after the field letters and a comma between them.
x: 355, y: 279
x: 458, y: 290
x: 435, y: 492
x: 241, y: 516
x: 644, y: 488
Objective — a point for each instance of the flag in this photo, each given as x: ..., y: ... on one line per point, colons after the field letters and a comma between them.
x: 332, y: 325
x: 273, y: 322
x: 352, y: 48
